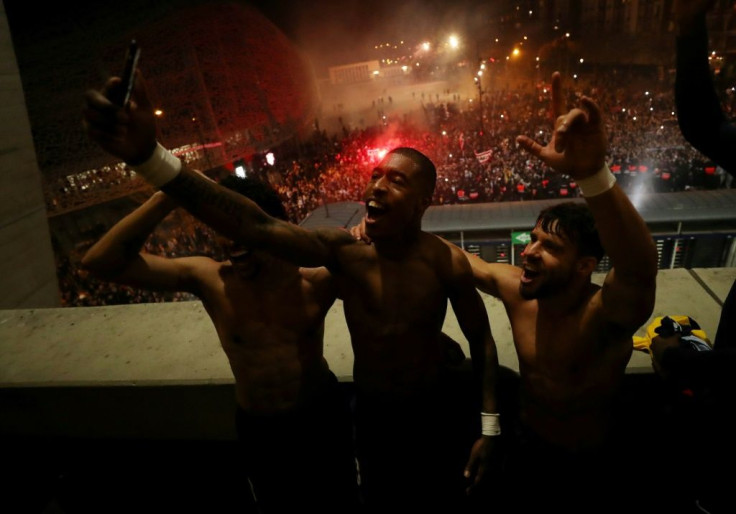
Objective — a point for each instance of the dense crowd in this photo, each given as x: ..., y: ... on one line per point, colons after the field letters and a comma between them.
x: 476, y: 155
x: 647, y: 150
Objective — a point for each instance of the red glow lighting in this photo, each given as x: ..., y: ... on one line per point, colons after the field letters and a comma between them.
x: 376, y: 154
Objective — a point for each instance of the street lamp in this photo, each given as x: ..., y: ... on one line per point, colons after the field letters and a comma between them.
x: 478, y: 82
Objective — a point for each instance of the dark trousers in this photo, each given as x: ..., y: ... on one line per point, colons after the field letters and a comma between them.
x: 302, y: 461
x: 412, y: 454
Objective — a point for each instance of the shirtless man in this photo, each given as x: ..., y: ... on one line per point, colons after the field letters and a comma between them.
x: 269, y: 315
x: 409, y: 437
x: 572, y: 338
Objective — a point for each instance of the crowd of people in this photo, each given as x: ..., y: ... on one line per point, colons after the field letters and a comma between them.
x: 647, y: 150
x: 477, y: 160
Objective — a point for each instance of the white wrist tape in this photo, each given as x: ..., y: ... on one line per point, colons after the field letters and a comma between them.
x: 602, y: 181
x: 489, y: 424
x: 160, y: 168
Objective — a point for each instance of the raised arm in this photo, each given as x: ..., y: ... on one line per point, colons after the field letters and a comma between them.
x: 578, y: 148
x: 117, y: 256
x: 129, y: 134
x: 699, y: 112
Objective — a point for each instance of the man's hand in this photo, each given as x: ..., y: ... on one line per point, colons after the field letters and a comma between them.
x: 578, y: 145
x: 659, y: 345
x: 358, y: 232
x: 127, y: 133
x: 483, y: 457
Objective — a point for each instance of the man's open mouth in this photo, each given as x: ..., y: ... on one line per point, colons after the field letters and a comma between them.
x: 527, y: 275
x: 374, y: 210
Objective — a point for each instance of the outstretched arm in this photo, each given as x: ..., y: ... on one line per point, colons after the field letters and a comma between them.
x: 493, y: 278
x: 578, y: 148
x: 129, y: 134
x: 699, y: 113
x: 117, y: 256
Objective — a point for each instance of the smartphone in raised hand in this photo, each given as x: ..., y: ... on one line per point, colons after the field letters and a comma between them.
x: 121, y: 94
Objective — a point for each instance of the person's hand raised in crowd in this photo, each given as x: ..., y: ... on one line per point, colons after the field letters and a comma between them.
x: 128, y: 133
x: 579, y: 143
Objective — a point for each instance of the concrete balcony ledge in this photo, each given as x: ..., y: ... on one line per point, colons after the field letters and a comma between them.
x: 175, y: 343
x: 158, y: 369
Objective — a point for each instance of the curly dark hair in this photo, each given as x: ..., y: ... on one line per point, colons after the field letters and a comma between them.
x: 574, y: 221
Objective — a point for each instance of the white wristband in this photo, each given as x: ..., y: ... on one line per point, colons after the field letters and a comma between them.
x: 602, y: 181
x: 489, y: 424
x: 160, y: 168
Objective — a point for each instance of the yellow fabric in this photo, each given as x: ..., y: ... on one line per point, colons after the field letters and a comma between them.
x: 642, y: 343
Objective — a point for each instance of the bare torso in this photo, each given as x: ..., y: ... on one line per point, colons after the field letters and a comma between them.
x: 271, y: 328
x: 395, y: 307
x: 571, y: 367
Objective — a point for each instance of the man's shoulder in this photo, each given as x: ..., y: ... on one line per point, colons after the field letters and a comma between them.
x: 197, y: 263
x: 334, y: 236
x: 433, y: 243
x: 207, y: 269
x: 315, y: 275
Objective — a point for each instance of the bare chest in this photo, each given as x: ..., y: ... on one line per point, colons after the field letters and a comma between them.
x: 246, y: 315
x: 561, y: 350
x: 567, y: 361
x: 394, y: 296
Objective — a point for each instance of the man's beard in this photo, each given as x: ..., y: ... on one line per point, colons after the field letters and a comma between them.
x: 550, y: 287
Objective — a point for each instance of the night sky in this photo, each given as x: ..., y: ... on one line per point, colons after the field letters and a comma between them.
x: 330, y: 31
x: 64, y: 48
x: 339, y: 32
